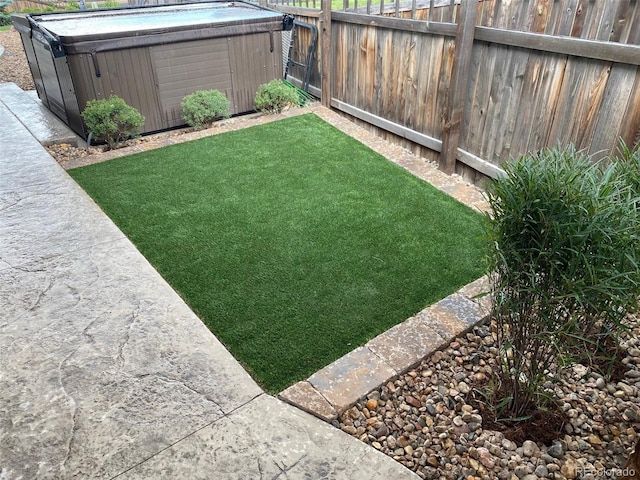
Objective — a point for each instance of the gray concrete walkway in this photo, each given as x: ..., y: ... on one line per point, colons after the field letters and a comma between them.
x: 105, y: 372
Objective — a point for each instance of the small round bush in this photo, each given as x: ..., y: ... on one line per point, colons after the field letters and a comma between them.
x: 202, y: 108
x: 275, y: 96
x: 112, y: 120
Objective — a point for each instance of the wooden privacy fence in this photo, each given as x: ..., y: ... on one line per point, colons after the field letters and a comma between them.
x: 473, y: 84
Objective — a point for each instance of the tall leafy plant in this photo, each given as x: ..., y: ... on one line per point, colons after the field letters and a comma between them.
x: 564, y: 254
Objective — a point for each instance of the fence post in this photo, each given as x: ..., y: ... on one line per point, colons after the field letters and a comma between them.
x: 325, y: 44
x: 459, y: 83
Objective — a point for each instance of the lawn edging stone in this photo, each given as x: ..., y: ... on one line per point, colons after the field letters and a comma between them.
x: 338, y: 386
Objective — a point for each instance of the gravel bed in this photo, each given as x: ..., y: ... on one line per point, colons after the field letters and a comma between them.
x: 13, y: 62
x: 427, y: 421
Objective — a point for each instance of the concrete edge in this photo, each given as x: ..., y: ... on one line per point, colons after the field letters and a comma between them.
x: 338, y: 386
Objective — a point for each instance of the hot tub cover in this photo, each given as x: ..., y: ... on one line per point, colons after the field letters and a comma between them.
x: 96, y: 30
x: 140, y: 21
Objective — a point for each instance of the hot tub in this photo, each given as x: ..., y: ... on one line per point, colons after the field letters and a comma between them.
x: 152, y: 57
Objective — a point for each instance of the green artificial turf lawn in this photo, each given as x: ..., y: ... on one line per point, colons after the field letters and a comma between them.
x: 293, y: 242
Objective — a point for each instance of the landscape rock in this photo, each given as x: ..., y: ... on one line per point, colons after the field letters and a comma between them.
x: 426, y: 421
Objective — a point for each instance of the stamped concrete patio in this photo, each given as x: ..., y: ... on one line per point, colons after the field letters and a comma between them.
x: 105, y: 372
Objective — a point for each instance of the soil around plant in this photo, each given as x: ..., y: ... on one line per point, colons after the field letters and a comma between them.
x: 540, y: 425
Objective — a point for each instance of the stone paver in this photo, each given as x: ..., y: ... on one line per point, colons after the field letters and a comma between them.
x: 104, y: 370
x: 307, y: 398
x: 406, y: 344
x: 343, y: 381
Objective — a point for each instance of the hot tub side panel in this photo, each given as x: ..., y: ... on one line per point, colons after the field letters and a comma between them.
x: 58, y: 86
x: 125, y: 73
x: 33, y: 66
x: 255, y: 60
x: 156, y: 78
x: 186, y: 67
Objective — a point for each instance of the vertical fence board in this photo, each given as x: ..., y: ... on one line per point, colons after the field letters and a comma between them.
x: 325, y: 56
x: 621, y: 20
x: 411, y: 112
x: 566, y: 18
x: 611, y: 115
x: 459, y: 81
x: 579, y: 99
x: 630, y: 125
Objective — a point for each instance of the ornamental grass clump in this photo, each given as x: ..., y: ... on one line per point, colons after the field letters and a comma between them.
x: 564, y: 232
x: 112, y: 120
x: 200, y: 109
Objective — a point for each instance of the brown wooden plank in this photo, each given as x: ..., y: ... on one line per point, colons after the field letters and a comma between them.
x: 400, y: 130
x: 429, y: 71
x: 502, y: 18
x: 539, y: 78
x: 605, y: 27
x: 403, y: 24
x: 411, y: 103
x: 392, y: 107
x: 578, y: 102
x: 459, y: 81
x: 630, y: 126
x: 513, y: 93
x: 567, y: 17
x: 339, y: 61
x: 591, y: 20
x: 540, y: 16
x: 325, y: 48
x: 594, y: 49
x: 497, y: 108
x: 579, y: 18
x: 630, y: 31
x: 556, y: 10
x: 397, y: 73
x: 622, y: 17
x: 379, y: 81
x: 613, y: 110
x: 481, y: 73
x: 528, y: 15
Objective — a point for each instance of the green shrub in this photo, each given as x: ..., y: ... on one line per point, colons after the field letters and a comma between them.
x: 564, y: 255
x: 112, y: 120
x: 111, y: 4
x: 5, y: 19
x: 275, y: 96
x: 202, y: 108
